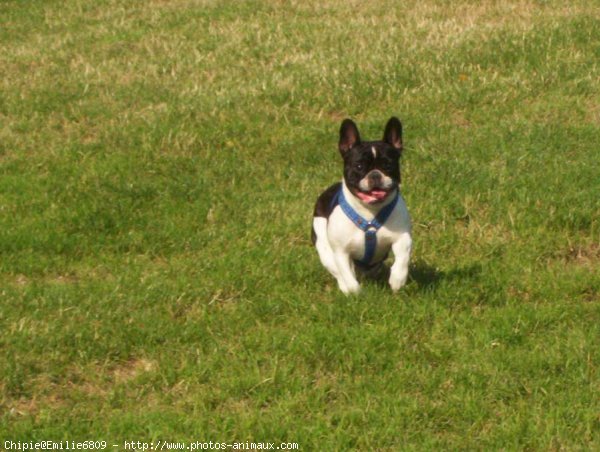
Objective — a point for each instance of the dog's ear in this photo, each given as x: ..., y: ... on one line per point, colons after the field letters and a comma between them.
x: 349, y: 136
x: 393, y: 133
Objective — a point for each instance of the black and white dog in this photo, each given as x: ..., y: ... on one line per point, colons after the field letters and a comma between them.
x: 358, y: 220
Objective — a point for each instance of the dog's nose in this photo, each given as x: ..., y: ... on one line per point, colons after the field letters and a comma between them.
x: 375, y: 177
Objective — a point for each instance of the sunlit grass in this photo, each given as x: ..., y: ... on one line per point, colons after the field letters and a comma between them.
x: 159, y: 162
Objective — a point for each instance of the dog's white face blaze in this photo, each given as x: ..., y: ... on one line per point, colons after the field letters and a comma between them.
x: 374, y: 151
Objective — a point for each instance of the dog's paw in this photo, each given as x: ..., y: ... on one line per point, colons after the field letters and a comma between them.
x: 397, y: 283
x: 352, y: 289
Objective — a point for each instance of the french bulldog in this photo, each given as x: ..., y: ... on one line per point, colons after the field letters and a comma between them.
x: 358, y: 220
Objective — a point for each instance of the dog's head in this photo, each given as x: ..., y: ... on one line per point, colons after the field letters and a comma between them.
x: 371, y: 168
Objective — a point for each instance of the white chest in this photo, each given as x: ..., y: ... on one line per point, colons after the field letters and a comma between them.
x: 344, y: 234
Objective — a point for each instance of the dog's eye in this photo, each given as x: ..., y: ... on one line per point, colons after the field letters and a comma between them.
x: 360, y: 166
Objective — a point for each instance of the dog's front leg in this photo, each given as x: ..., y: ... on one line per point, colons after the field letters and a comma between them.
x: 399, y: 270
x: 346, y: 278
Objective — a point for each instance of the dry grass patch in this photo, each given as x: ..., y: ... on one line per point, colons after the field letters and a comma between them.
x: 132, y: 369
x: 583, y: 255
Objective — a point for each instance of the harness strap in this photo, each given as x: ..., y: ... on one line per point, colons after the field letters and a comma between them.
x: 370, y: 228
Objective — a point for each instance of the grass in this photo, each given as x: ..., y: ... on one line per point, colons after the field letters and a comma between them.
x: 159, y: 162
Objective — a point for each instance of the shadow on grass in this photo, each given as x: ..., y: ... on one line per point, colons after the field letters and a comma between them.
x: 426, y: 276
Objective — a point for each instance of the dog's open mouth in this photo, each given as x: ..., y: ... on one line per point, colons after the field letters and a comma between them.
x: 373, y: 196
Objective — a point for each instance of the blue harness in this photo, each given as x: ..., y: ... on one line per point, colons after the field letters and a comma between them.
x: 370, y: 228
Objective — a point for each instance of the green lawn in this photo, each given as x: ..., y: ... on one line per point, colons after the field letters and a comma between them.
x: 159, y: 162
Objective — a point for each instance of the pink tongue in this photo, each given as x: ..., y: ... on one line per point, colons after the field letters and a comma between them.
x: 372, y: 196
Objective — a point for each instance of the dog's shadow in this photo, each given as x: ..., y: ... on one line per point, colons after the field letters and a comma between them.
x: 424, y: 275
